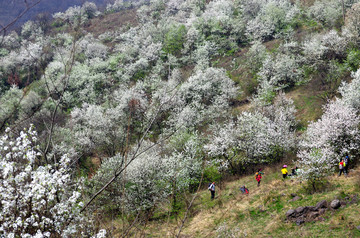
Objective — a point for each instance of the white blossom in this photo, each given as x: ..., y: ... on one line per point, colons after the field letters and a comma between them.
x: 327, y: 140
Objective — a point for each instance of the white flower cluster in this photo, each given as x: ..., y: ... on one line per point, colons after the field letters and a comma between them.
x: 328, y: 12
x: 37, y: 200
x: 203, y: 97
x: 328, y: 140
x: 267, y: 18
x: 77, y: 14
x: 256, y: 136
x: 150, y: 178
x: 350, y: 92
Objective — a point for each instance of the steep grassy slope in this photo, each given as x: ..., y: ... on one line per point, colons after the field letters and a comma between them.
x: 262, y: 212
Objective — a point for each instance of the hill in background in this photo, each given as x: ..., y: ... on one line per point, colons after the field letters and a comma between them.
x: 11, y: 9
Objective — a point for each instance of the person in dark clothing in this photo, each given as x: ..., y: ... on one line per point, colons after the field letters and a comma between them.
x: 245, y: 190
x: 294, y: 171
x: 346, y: 167
x: 212, y: 190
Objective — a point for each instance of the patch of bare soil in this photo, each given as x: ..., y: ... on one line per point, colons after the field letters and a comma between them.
x: 112, y: 22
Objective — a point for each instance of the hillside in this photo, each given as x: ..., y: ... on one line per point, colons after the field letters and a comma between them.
x: 113, y: 121
x: 263, y: 211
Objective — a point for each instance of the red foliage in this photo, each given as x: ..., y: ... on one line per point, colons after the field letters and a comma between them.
x: 13, y: 79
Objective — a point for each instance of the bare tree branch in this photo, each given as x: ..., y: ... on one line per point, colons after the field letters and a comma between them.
x: 135, y: 155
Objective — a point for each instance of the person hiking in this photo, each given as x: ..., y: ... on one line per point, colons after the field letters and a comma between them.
x: 258, y: 176
x: 212, y: 190
x: 346, y: 167
x: 284, y: 171
x: 293, y: 171
x: 341, y: 167
x: 245, y: 190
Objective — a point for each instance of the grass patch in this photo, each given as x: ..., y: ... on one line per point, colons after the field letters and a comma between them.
x: 262, y: 211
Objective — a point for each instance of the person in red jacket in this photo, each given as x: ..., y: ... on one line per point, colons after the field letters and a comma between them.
x: 258, y: 176
x: 342, y: 167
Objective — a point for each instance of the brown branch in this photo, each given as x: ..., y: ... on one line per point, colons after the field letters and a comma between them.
x: 135, y: 155
x: 117, y: 174
x: 131, y: 226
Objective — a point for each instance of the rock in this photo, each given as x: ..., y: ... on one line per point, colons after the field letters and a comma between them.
x: 358, y: 227
x: 322, y: 211
x: 335, y: 204
x: 311, y: 208
x: 313, y: 215
x: 321, y: 204
x: 283, y: 194
x: 299, y: 221
x: 290, y: 213
x: 293, y: 195
x: 320, y: 219
x: 300, y: 210
x: 295, y: 198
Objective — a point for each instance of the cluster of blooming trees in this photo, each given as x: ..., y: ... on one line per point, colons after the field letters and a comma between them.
x: 38, y: 199
x: 150, y: 103
x: 255, y: 137
x: 334, y: 135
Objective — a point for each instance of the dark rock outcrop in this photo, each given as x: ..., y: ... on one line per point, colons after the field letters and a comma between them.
x: 301, y: 215
x: 321, y: 204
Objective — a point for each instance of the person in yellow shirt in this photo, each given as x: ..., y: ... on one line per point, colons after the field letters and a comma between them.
x: 284, y: 171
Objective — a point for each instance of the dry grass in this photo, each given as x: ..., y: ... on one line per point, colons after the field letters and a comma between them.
x: 112, y: 22
x: 262, y: 212
x: 307, y: 101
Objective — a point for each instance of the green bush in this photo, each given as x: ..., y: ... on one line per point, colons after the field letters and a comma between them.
x: 353, y: 59
x: 174, y: 40
x: 211, y: 174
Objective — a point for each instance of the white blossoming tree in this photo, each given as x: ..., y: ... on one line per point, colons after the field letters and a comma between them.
x: 204, y: 97
x: 37, y: 200
x: 327, y: 140
x: 256, y: 137
x: 350, y: 92
x: 149, y: 179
